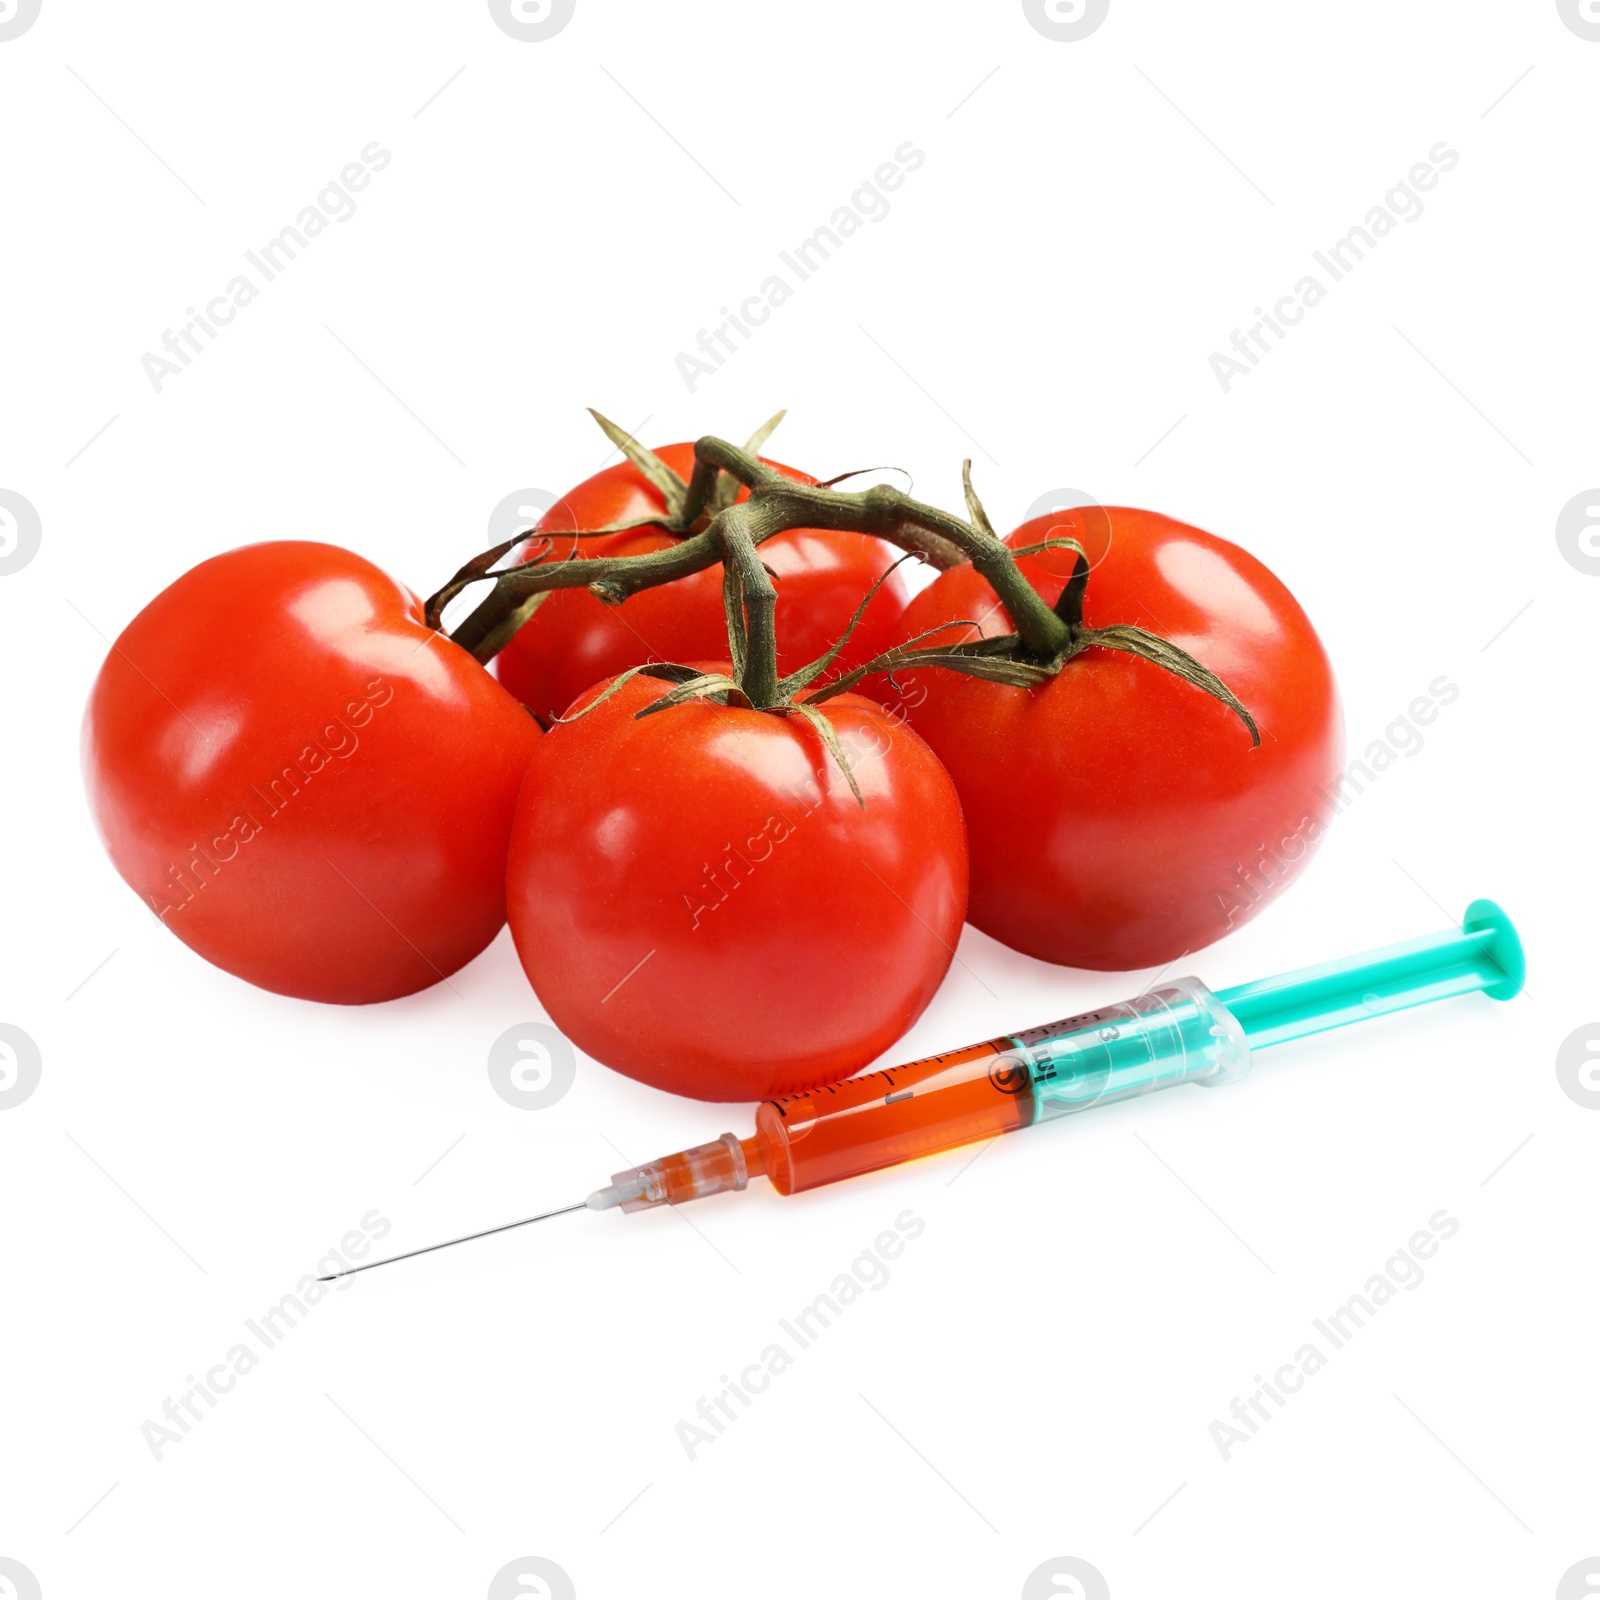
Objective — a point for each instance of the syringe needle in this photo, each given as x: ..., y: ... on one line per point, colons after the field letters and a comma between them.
x: 405, y: 1255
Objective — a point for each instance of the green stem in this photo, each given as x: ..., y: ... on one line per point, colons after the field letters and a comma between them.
x: 702, y: 488
x: 609, y: 578
x: 754, y: 591
x: 775, y: 503
x: 889, y: 514
x: 713, y: 526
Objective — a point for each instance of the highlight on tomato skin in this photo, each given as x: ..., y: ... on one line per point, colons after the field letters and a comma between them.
x: 701, y: 903
x: 302, y: 782
x: 1119, y: 818
x: 574, y: 640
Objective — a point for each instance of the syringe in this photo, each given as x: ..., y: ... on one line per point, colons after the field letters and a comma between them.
x: 1177, y: 1032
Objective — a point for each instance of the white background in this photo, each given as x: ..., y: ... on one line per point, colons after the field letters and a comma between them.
x: 1039, y: 1377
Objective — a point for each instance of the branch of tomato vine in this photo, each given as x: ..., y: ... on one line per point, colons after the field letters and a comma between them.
x: 884, y: 513
x: 775, y: 504
x: 712, y: 525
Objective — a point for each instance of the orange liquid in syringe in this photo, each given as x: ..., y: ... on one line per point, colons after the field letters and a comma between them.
x: 887, y: 1117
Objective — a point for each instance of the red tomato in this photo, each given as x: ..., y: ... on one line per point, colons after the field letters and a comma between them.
x: 573, y: 640
x: 701, y: 904
x: 1118, y: 816
x: 305, y: 783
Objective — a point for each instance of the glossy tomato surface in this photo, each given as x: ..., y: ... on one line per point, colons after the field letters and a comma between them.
x: 573, y: 640
x: 307, y: 785
x: 1117, y: 816
x: 700, y: 902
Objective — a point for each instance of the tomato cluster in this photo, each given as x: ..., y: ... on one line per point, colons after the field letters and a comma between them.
x: 727, y: 776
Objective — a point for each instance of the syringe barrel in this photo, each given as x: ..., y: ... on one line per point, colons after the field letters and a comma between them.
x: 1177, y: 1033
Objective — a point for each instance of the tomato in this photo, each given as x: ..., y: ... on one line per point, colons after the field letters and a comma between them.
x: 306, y: 784
x: 700, y: 902
x: 574, y: 640
x: 1117, y: 815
